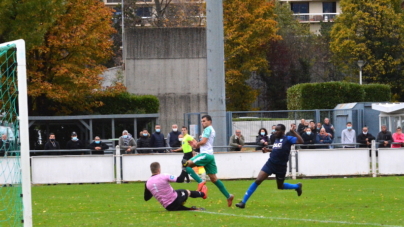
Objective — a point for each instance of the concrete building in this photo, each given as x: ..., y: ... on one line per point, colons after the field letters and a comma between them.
x: 315, y: 11
x: 146, y: 10
x: 169, y: 63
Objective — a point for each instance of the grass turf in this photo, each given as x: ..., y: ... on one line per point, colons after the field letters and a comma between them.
x: 324, y: 202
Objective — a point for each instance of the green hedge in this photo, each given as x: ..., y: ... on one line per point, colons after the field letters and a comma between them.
x: 377, y: 93
x: 327, y: 95
x: 126, y: 103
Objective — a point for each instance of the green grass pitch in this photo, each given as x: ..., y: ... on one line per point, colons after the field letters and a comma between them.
x: 324, y: 202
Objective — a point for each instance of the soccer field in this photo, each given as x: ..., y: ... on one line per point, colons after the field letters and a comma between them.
x: 324, y: 202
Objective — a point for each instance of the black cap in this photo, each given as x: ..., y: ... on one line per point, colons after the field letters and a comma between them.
x: 74, y: 134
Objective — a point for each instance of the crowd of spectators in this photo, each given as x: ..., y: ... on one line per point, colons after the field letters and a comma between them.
x: 313, y: 135
x: 324, y: 133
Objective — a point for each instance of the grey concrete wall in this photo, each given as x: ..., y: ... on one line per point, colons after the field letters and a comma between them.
x: 171, y: 64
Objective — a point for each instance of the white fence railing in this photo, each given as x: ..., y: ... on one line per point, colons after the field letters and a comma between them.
x: 231, y: 165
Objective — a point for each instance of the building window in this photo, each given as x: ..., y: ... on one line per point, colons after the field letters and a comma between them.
x: 144, y: 12
x: 329, y: 10
x: 300, y: 7
x: 329, y: 7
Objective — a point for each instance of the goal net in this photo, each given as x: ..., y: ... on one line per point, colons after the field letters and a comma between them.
x: 15, y: 185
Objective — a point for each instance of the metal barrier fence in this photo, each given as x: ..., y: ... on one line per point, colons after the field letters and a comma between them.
x: 233, y: 165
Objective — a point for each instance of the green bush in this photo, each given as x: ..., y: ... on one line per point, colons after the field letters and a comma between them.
x: 126, y: 103
x: 327, y: 95
x: 377, y: 93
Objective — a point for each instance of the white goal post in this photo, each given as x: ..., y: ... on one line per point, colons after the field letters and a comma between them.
x: 23, y: 130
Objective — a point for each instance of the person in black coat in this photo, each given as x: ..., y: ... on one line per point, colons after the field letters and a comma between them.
x: 172, y: 137
x: 308, y: 138
x: 384, y: 138
x: 157, y: 139
x: 262, y: 139
x: 97, y: 146
x: 52, y: 144
x: 144, y: 141
x: 365, y: 138
x: 74, y: 143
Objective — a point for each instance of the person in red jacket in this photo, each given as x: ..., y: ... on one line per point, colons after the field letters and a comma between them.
x: 398, y: 137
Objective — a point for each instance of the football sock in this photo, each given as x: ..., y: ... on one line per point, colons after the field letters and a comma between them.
x: 290, y: 186
x: 182, y: 176
x: 191, y: 172
x: 249, y: 192
x: 196, y: 194
x: 222, y: 188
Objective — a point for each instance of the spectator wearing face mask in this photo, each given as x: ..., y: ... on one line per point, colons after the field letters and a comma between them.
x: 172, y: 137
x: 127, y: 143
x: 308, y: 138
x: 365, y: 138
x: 97, y: 146
x: 74, y: 143
x: 144, y: 141
x: 348, y: 135
x: 157, y: 139
x: 52, y: 144
x: 262, y: 139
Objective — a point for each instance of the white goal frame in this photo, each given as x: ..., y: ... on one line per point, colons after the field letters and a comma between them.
x: 23, y: 130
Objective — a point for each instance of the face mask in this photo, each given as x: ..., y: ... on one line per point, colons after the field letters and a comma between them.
x: 273, y: 130
x: 4, y: 140
x: 158, y: 130
x: 175, y: 129
x: 74, y: 138
x: 262, y: 133
x: 365, y: 133
x: 349, y: 127
x: 97, y: 141
x: 145, y: 134
x: 308, y: 133
x: 52, y: 140
x: 180, y: 139
x: 125, y: 136
x: 318, y: 128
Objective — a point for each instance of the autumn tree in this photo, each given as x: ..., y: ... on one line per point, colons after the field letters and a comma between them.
x: 28, y: 19
x: 63, y: 72
x: 290, y: 59
x: 372, y: 31
x: 249, y: 28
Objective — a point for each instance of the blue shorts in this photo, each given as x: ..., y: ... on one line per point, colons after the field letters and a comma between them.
x: 278, y: 170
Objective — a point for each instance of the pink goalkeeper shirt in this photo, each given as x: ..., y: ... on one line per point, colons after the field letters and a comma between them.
x: 161, y: 189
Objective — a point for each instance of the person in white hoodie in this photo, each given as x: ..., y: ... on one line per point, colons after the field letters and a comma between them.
x: 348, y: 135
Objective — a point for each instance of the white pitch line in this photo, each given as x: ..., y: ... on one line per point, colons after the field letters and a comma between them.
x: 298, y: 219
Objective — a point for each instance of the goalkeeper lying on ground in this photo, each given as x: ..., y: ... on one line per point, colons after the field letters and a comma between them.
x: 173, y: 200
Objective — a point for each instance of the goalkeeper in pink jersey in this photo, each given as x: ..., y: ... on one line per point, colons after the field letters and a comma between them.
x: 173, y: 200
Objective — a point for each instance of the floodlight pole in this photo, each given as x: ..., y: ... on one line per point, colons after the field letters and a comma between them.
x: 361, y: 63
x: 123, y: 40
x: 215, y: 69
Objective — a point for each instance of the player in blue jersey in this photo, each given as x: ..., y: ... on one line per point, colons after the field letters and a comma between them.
x: 277, y: 163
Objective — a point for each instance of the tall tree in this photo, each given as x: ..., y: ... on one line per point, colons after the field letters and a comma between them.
x: 373, y: 31
x: 249, y: 28
x: 290, y: 58
x: 63, y: 73
x: 27, y: 19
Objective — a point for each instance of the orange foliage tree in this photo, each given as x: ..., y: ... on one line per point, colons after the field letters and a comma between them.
x: 249, y: 28
x: 63, y: 72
